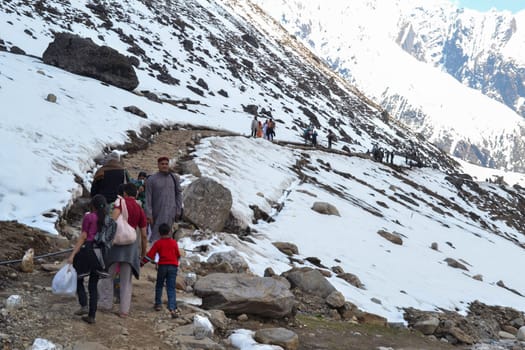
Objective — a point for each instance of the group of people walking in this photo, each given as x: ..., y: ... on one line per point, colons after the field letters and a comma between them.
x: 310, y: 136
x: 114, y: 194
x: 266, y: 129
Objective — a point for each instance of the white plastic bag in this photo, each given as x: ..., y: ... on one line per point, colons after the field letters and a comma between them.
x: 43, y: 344
x: 13, y: 302
x: 202, y: 327
x: 65, y: 281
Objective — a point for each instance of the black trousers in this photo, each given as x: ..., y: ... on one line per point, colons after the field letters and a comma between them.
x: 93, y: 292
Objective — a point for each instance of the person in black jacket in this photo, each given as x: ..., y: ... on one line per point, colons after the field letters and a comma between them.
x: 108, y: 177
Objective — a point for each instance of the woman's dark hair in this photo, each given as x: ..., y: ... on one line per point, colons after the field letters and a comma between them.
x: 130, y: 189
x: 120, y: 190
x: 99, y: 204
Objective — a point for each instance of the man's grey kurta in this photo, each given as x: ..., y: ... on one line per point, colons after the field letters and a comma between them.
x: 163, y: 200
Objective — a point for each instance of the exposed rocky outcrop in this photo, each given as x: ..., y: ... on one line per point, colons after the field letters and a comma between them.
x: 82, y: 56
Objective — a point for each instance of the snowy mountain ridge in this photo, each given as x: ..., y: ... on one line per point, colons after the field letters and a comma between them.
x: 367, y: 42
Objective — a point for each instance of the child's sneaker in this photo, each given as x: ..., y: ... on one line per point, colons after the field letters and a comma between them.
x: 175, y: 313
x: 157, y: 307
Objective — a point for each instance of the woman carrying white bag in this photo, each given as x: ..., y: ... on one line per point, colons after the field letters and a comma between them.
x: 123, y: 253
x: 86, y: 261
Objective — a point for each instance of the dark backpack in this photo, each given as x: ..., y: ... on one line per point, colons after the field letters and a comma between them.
x: 106, y: 234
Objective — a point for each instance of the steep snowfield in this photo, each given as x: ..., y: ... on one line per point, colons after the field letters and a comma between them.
x: 399, y: 276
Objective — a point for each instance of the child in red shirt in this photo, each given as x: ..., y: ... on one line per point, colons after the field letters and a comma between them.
x: 169, y: 255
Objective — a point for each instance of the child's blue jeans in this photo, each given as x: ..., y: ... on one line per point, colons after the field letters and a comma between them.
x: 166, y: 273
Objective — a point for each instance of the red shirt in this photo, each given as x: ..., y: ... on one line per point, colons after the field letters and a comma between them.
x: 168, y: 250
x: 136, y: 216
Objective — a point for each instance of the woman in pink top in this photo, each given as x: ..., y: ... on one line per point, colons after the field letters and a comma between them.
x: 85, y: 261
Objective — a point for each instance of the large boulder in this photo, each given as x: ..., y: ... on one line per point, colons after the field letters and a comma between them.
x: 310, y: 281
x: 207, y: 204
x: 325, y: 208
x: 82, y: 56
x: 241, y: 293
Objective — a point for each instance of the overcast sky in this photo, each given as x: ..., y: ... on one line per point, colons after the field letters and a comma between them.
x: 485, y: 5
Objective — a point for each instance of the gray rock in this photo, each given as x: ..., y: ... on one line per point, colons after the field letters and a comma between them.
x: 325, y: 208
x: 190, y: 167
x: 137, y: 111
x: 89, y: 346
x: 286, y: 248
x: 190, y: 342
x: 278, y: 336
x: 52, y: 267
x: 506, y: 335
x: 237, y: 262
x: 352, y: 279
x: 51, y: 98
x: 478, y: 277
x: 517, y: 322
x: 337, y: 270
x: 521, y: 334
x: 427, y: 326
x: 207, y: 204
x: 455, y: 264
x: 336, y: 299
x: 310, y: 281
x: 219, y: 320
x: 242, y: 293
x: 390, y: 237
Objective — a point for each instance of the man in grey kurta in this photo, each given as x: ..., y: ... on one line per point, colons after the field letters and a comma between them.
x: 163, y: 198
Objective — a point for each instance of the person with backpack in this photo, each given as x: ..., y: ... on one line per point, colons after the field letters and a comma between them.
x: 86, y: 261
x: 168, y: 263
x: 163, y: 198
x: 108, y: 177
x: 125, y: 256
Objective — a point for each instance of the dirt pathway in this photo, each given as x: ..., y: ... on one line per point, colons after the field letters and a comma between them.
x: 174, y: 144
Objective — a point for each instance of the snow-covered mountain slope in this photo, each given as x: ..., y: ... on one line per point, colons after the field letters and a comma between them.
x: 214, y: 66
x: 367, y: 43
x: 465, y: 218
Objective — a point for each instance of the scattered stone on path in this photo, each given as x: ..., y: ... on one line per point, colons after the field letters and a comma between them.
x: 278, y: 336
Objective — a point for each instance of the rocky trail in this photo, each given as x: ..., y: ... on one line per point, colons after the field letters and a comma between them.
x: 47, y: 316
